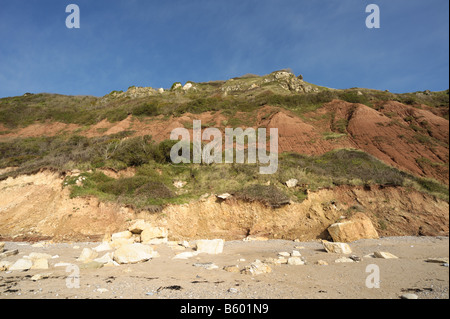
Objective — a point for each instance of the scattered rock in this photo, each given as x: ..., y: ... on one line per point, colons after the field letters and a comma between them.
x: 344, y: 260
x: 224, y: 196
x: 207, y: 266
x: 384, y: 255
x: 9, y: 253
x: 256, y: 268
x: 87, y: 255
x: 125, y: 234
x: 102, y: 290
x: 295, y: 261
x: 133, y: 253
x: 154, y: 235
x: 443, y: 260
x: 176, y: 86
x: 213, y: 247
x: 21, y: 264
x: 321, y: 263
x: 106, y: 258
x: 5, y: 265
x: 355, y: 258
x: 337, y: 248
x: 119, y: 242
x: 296, y: 253
x: 2, y: 247
x: 111, y: 264
x: 276, y: 261
x: 281, y: 261
x: 103, y: 247
x: 34, y: 256
x: 233, y: 268
x: 292, y: 183
x: 255, y: 238
x: 138, y: 226
x: 187, y: 86
x: 186, y: 255
x: 41, y: 263
x: 284, y: 254
x: 38, y: 277
x: 185, y: 244
x: 233, y: 290
x: 409, y: 296
x: 358, y: 227
x: 179, y: 184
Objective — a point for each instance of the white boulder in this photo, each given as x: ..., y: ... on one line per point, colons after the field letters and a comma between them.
x: 212, y: 247
x: 133, y: 253
x: 337, y: 248
x: 22, y: 264
x: 87, y: 255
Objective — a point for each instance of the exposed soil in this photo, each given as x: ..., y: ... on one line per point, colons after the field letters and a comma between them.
x: 37, y: 206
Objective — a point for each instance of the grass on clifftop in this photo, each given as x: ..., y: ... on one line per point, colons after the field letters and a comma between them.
x: 87, y: 110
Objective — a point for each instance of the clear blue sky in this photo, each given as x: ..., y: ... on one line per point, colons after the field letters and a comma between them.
x: 155, y: 43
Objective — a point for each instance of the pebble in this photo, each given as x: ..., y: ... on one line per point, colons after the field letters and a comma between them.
x: 233, y: 290
x: 102, y: 290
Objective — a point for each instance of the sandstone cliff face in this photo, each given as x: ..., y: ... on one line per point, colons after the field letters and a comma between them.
x: 37, y: 206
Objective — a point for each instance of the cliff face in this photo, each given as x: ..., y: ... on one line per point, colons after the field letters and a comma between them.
x: 37, y: 206
x: 411, y: 139
x: 409, y: 132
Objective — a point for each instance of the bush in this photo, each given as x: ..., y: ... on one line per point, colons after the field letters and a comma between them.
x: 344, y: 166
x: 146, y: 109
x: 134, y: 151
x: 353, y: 97
x: 154, y: 190
x: 301, y: 102
x: 268, y: 195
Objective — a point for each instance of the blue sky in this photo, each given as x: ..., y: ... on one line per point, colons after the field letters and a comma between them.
x: 155, y: 43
